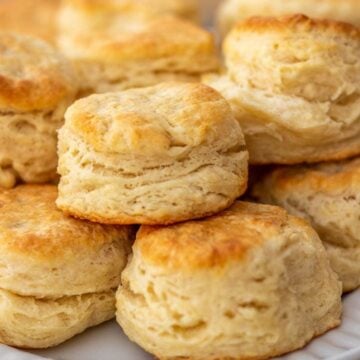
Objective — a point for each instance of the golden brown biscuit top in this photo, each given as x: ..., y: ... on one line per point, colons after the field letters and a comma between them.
x: 33, y: 76
x: 316, y: 60
x: 179, y: 7
x: 295, y: 24
x: 157, y: 120
x: 31, y: 226
x: 214, y: 241
x: 329, y: 178
x: 164, y: 38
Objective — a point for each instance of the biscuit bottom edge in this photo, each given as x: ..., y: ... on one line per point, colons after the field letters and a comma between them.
x: 31, y: 323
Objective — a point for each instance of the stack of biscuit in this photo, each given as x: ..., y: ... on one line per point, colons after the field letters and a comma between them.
x: 37, y: 84
x: 297, y: 99
x: 58, y: 275
x: 127, y: 201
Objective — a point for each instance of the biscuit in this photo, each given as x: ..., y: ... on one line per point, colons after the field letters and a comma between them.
x: 93, y: 15
x: 232, y: 11
x: 30, y: 17
x: 28, y: 322
x: 57, y: 274
x: 328, y: 196
x: 153, y: 155
x: 250, y: 283
x: 36, y: 86
x: 165, y: 49
x: 296, y: 94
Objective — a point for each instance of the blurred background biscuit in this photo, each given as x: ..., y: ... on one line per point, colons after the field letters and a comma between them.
x: 164, y: 49
x: 153, y: 155
x: 293, y: 84
x: 57, y: 274
x: 36, y: 86
x: 31, y: 17
x: 232, y: 11
x: 94, y: 15
x: 249, y: 283
x: 328, y: 196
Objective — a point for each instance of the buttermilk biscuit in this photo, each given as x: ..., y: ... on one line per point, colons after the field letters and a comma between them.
x: 145, y: 54
x: 154, y: 155
x: 57, y: 274
x: 31, y: 17
x: 296, y: 92
x: 93, y: 15
x: 36, y: 86
x: 232, y: 11
x: 328, y: 196
x: 249, y: 283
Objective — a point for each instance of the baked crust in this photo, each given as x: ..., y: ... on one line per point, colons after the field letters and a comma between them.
x: 214, y: 241
x: 298, y: 23
x: 33, y: 76
x: 50, y: 248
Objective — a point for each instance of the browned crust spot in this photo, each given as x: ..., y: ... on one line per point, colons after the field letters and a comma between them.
x: 297, y: 22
